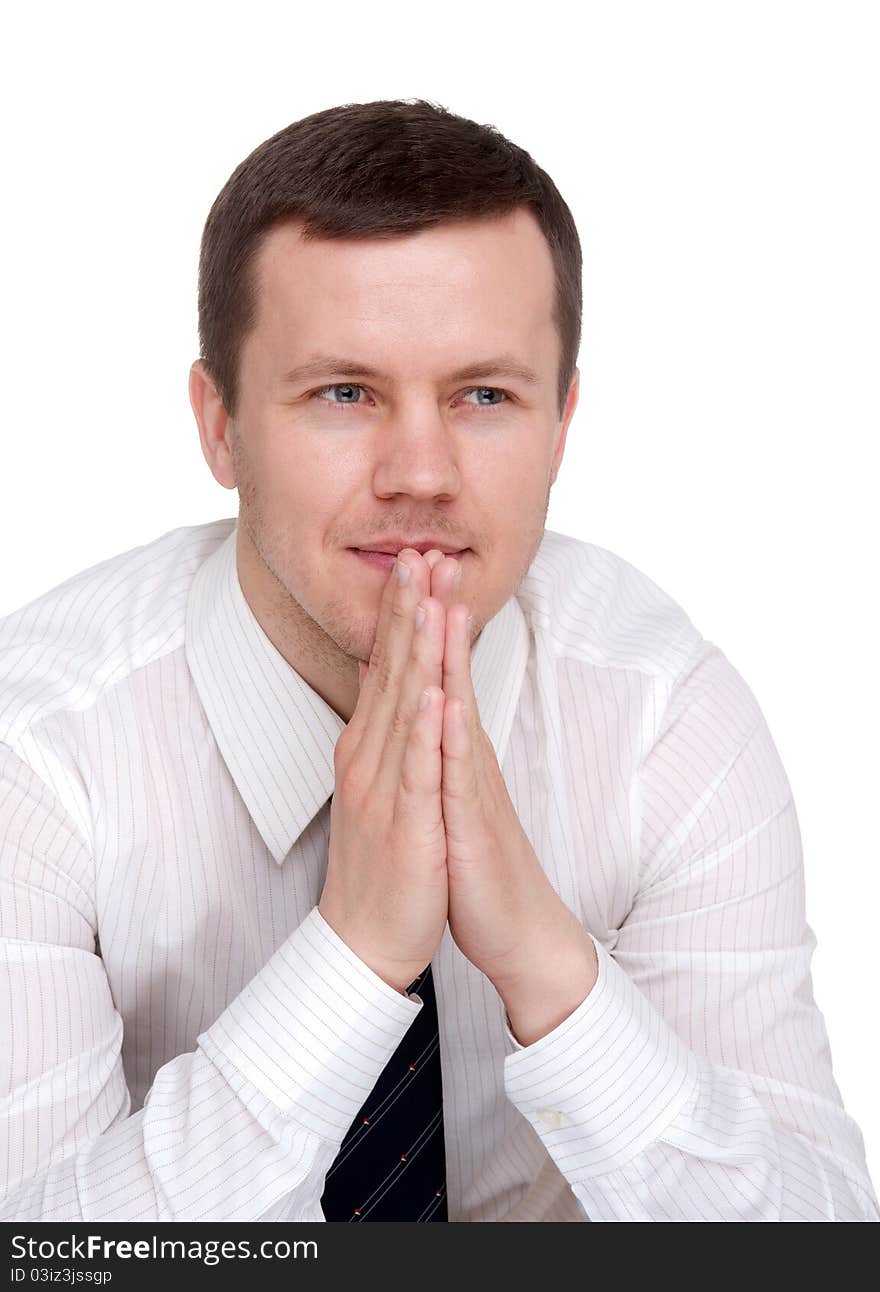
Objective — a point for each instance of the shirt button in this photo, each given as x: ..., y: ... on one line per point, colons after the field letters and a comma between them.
x: 549, y: 1117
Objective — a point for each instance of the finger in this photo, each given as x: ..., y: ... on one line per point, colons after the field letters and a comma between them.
x: 447, y: 575
x: 418, y: 802
x: 361, y: 719
x: 457, y: 683
x: 379, y: 698
x: 458, y: 772
x: 399, y: 757
x: 462, y: 776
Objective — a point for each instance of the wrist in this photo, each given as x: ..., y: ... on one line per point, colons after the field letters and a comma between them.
x: 391, y: 975
x: 558, y: 979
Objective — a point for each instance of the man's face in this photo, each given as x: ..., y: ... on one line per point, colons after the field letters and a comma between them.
x: 336, y: 460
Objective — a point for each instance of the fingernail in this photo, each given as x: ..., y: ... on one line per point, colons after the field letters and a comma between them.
x: 402, y: 571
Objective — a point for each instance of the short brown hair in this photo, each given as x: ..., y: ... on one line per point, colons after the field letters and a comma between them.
x: 372, y: 170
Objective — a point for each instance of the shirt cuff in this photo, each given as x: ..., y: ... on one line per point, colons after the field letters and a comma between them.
x: 606, y: 1082
x: 312, y: 1030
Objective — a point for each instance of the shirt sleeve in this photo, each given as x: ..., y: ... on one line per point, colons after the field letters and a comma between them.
x: 694, y: 1082
x: 245, y: 1127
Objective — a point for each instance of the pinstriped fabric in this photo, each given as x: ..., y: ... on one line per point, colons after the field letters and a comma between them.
x: 183, y: 1037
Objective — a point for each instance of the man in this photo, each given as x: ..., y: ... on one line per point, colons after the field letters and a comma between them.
x: 279, y: 941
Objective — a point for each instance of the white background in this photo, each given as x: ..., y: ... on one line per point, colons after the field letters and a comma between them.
x: 721, y: 162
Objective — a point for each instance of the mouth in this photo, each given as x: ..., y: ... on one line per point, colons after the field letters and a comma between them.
x: 385, y: 560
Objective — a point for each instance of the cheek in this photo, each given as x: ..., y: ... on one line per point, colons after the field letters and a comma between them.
x: 518, y: 468
x: 299, y: 484
x: 517, y: 498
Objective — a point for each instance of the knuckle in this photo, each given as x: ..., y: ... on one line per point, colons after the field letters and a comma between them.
x: 380, y: 665
x: 400, y: 612
x: 384, y: 673
x: 351, y: 783
x: 400, y: 724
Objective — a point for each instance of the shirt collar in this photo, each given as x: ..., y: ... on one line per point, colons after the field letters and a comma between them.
x: 275, y: 733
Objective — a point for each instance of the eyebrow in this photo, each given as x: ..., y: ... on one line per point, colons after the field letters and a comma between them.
x: 329, y: 365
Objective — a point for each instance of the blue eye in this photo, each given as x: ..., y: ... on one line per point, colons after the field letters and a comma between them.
x: 338, y: 386
x: 492, y: 389
x: 354, y: 386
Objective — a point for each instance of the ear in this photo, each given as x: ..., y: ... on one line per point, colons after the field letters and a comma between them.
x: 567, y: 414
x: 215, y: 427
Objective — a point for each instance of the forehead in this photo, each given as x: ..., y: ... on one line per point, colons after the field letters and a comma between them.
x: 451, y: 288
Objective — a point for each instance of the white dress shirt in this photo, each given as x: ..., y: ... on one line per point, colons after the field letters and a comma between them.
x: 183, y: 1037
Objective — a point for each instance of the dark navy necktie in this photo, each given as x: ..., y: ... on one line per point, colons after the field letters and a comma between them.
x: 392, y: 1163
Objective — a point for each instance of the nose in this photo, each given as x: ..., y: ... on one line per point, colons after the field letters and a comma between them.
x: 417, y: 451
